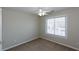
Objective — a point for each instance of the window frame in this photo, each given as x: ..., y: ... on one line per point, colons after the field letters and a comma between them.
x: 66, y: 28
x: 46, y: 27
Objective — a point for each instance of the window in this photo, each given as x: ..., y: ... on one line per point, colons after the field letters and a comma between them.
x: 57, y: 26
x: 50, y: 26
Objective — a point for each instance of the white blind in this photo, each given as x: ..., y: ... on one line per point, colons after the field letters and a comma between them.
x: 50, y: 26
x: 57, y: 26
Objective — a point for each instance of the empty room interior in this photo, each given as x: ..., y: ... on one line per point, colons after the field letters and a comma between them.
x: 39, y: 28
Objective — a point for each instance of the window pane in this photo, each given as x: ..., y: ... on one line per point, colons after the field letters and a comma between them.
x: 50, y: 26
x: 60, y: 26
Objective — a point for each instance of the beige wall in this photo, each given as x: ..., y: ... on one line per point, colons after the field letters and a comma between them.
x: 72, y: 15
x: 18, y: 27
x: 0, y: 28
x: 0, y: 24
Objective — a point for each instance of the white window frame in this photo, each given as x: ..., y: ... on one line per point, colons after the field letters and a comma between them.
x: 66, y: 30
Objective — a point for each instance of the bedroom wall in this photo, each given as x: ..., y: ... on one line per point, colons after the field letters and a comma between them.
x: 72, y: 15
x: 0, y: 29
x: 18, y: 27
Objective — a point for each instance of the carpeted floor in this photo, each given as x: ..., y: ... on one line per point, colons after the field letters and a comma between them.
x: 41, y: 45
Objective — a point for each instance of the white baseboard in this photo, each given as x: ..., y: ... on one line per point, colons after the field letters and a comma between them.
x: 61, y: 43
x: 19, y: 44
x: 42, y: 38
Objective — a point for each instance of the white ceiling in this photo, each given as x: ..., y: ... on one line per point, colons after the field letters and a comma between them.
x: 34, y: 10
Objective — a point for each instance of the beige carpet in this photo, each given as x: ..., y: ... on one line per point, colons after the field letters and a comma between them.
x: 40, y: 45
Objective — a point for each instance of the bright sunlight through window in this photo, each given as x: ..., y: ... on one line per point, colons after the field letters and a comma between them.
x: 57, y: 26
